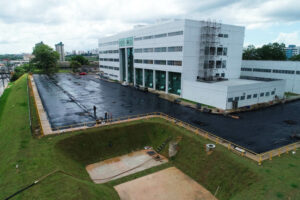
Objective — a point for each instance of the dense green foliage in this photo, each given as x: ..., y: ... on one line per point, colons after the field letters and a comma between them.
x: 11, y: 57
x: 295, y: 58
x: 81, y: 59
x: 270, y: 51
x: 19, y: 71
x: 75, y: 65
x: 45, y: 58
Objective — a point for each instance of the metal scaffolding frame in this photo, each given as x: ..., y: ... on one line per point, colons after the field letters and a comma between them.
x: 209, y: 42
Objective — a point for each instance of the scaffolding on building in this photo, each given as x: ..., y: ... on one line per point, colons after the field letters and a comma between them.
x: 209, y: 41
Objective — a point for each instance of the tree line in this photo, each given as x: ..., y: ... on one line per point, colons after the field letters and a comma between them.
x: 45, y: 60
x: 271, y: 51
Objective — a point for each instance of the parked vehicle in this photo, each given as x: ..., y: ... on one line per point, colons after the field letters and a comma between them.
x: 82, y: 73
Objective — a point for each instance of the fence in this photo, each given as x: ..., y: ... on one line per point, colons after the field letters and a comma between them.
x: 218, y: 140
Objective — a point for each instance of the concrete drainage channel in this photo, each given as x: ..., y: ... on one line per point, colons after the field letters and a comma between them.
x: 65, y: 97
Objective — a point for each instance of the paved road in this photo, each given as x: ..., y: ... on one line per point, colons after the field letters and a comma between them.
x: 68, y: 99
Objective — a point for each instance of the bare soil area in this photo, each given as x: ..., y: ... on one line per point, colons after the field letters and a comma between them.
x: 125, y: 165
x: 167, y: 184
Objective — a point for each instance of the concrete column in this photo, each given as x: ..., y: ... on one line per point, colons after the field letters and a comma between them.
x: 154, y: 83
x: 143, y: 77
x: 167, y: 81
x: 126, y: 65
x: 134, y: 81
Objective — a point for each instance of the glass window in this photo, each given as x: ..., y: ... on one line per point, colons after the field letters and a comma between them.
x: 230, y: 99
x: 236, y: 98
x: 242, y: 97
x: 175, y: 49
x: 249, y: 96
x: 225, y: 35
x: 147, y: 50
x: 147, y: 37
x: 225, y: 51
x: 148, y: 61
x: 273, y: 92
x: 138, y: 61
x: 160, y: 35
x: 223, y: 63
x: 262, y: 94
x: 160, y: 49
x: 138, y: 50
x: 254, y: 95
x: 160, y: 62
x: 267, y: 94
x: 138, y: 38
x: 219, y: 51
x: 175, y: 33
x: 175, y: 62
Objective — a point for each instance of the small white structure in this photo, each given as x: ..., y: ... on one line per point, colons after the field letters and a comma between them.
x: 196, y: 60
x: 285, y: 70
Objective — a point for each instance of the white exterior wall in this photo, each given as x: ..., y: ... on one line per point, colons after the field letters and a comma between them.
x: 292, y: 80
x: 255, y: 88
x: 206, y: 93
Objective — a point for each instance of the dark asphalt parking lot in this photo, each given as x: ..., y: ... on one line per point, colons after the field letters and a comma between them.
x: 68, y: 99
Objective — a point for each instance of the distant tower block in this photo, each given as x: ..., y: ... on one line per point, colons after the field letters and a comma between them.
x: 60, y: 49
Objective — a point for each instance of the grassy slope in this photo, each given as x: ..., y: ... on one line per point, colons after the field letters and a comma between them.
x: 37, y: 157
x: 238, y: 178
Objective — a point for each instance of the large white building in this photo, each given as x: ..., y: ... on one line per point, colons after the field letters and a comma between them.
x: 197, y: 60
x: 281, y: 70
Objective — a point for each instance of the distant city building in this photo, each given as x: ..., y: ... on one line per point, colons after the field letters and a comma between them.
x: 292, y: 50
x: 60, y: 49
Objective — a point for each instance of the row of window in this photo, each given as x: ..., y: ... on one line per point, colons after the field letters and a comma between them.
x: 250, y: 96
x: 223, y: 35
x: 159, y: 62
x: 108, y: 43
x: 211, y: 64
x: 109, y: 67
x: 109, y: 52
x: 113, y: 75
x: 159, y: 49
x: 110, y: 59
x: 216, y: 51
x: 278, y: 71
x: 159, y: 35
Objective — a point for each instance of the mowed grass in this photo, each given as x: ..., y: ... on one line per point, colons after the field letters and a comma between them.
x: 236, y: 176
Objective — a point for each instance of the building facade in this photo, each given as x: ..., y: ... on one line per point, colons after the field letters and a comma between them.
x: 60, y: 49
x: 291, y: 51
x: 281, y: 70
x: 196, y: 60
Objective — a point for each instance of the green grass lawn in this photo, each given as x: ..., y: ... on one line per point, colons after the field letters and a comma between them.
x: 237, y: 177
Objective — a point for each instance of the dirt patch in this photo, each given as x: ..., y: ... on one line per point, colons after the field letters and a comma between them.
x: 125, y: 165
x: 167, y: 184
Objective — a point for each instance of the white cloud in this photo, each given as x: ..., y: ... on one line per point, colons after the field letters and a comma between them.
x: 288, y: 38
x: 79, y: 23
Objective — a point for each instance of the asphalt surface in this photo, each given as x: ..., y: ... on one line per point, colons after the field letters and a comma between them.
x: 68, y: 99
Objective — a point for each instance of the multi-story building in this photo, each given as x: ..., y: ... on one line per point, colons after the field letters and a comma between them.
x: 196, y: 60
x: 291, y: 51
x: 60, y: 49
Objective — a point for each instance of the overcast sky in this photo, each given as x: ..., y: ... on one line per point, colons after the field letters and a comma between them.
x: 79, y: 23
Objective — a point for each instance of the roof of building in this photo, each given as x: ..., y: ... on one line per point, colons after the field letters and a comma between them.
x: 235, y: 82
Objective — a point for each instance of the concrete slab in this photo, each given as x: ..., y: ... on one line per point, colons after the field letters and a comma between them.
x: 121, y: 166
x: 167, y: 184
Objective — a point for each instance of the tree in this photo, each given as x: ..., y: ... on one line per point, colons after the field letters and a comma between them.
x: 81, y: 59
x: 295, y: 58
x: 75, y: 65
x: 269, y: 51
x: 250, y: 53
x: 45, y: 58
x: 273, y: 51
